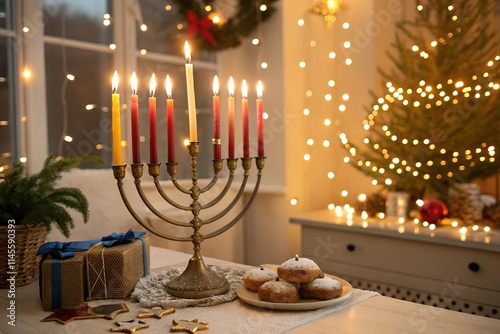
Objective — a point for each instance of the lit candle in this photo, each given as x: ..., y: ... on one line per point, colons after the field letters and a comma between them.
x: 230, y: 118
x: 134, y: 107
x: 216, y: 112
x: 193, y: 135
x: 170, y: 121
x: 244, y: 117
x: 260, y: 120
x: 116, y: 125
x: 153, y: 153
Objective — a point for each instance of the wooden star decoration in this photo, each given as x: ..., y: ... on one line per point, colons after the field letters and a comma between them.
x: 156, y: 312
x: 191, y: 326
x: 64, y: 316
x: 129, y: 326
x: 109, y: 311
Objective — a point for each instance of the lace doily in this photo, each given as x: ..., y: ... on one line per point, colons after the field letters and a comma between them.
x: 150, y: 291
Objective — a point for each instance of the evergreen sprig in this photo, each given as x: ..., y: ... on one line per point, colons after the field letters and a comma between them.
x: 35, y: 200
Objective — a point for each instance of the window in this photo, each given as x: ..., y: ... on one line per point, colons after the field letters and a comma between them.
x: 82, y: 45
x: 8, y: 65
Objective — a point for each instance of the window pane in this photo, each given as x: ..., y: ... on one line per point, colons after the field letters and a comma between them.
x: 7, y: 120
x: 6, y: 14
x: 203, y: 86
x: 79, y: 20
x: 162, y: 34
x: 79, y: 108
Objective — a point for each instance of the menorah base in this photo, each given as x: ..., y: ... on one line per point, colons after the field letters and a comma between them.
x: 197, y: 281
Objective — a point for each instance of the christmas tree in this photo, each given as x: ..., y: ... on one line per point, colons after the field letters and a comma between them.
x: 438, y: 123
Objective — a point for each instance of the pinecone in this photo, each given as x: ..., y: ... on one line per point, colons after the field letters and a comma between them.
x: 492, y: 213
x: 465, y: 203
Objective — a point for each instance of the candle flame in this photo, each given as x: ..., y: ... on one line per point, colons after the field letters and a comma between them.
x: 152, y: 85
x: 114, y: 82
x: 230, y: 86
x: 244, y: 89
x: 133, y: 83
x: 187, y: 51
x: 259, y: 89
x: 216, y: 85
x: 168, y: 85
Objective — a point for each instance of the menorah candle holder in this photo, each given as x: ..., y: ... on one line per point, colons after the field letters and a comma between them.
x: 197, y: 281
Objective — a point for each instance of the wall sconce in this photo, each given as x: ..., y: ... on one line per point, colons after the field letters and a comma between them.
x: 327, y: 9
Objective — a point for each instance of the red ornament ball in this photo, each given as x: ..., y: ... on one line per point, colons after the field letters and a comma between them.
x: 432, y: 211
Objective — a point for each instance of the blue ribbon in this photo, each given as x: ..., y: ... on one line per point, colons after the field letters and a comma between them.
x: 115, y: 239
x: 56, y: 283
x: 121, y: 238
x: 65, y: 250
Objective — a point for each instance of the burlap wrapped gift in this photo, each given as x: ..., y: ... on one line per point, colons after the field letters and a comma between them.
x: 62, y: 274
x: 116, y: 265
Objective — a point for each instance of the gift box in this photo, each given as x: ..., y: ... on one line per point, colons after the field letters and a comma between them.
x: 62, y: 282
x: 62, y: 273
x: 114, y: 266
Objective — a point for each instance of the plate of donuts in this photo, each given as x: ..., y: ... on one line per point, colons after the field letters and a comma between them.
x: 296, y: 285
x: 252, y: 298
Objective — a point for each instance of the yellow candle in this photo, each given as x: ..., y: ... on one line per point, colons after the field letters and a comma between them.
x: 116, y: 125
x: 193, y: 133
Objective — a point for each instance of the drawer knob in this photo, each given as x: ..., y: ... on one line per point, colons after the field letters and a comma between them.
x: 351, y: 247
x: 473, y: 266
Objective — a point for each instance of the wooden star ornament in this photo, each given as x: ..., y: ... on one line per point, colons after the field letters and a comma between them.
x: 156, y: 312
x: 191, y: 326
x: 63, y: 316
x: 109, y: 311
x: 129, y: 326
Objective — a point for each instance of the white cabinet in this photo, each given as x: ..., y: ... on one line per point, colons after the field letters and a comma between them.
x: 443, y: 267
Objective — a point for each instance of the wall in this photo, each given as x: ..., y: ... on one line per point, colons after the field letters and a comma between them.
x: 269, y: 236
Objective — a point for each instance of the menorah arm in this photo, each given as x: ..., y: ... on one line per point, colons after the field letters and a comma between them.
x: 229, y: 207
x: 240, y: 215
x: 217, y: 166
x: 172, y: 171
x: 119, y: 173
x: 154, y: 172
x: 154, y: 210
x: 231, y: 164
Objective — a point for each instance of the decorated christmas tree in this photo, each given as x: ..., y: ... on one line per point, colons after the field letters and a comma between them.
x: 437, y: 123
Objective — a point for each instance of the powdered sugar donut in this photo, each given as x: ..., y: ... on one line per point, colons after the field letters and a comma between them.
x: 277, y: 291
x: 299, y: 270
x: 321, y: 288
x: 255, y: 277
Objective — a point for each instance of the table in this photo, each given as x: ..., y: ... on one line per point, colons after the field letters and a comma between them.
x: 376, y: 315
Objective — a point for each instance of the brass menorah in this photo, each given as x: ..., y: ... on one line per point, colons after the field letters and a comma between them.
x: 197, y: 281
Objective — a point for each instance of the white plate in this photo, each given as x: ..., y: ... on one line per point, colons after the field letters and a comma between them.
x: 251, y: 297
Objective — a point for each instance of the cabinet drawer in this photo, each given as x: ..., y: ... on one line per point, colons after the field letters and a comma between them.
x: 421, y: 259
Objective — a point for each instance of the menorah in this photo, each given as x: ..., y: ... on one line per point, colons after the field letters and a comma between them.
x: 197, y: 281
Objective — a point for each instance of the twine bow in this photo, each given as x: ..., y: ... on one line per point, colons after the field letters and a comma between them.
x: 201, y: 26
x: 121, y: 238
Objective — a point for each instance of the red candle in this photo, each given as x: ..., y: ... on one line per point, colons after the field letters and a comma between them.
x: 153, y: 153
x: 216, y: 112
x: 134, y: 107
x: 170, y: 121
x: 244, y: 116
x: 260, y: 120
x: 230, y: 118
